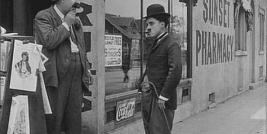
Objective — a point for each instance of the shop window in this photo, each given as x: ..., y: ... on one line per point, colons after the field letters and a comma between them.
x: 125, y: 51
x: 178, y: 27
x: 122, y: 45
x: 241, y: 32
x: 261, y: 31
x: 122, y: 25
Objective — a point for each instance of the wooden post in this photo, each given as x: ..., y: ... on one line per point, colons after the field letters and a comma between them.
x: 189, y: 36
x: 94, y: 28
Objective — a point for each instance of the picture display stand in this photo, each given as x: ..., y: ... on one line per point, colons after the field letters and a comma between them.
x: 34, y: 106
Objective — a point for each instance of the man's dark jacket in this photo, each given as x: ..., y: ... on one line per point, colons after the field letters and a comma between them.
x: 54, y: 37
x: 164, y: 68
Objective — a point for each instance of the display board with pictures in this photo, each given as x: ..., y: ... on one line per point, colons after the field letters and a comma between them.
x: 22, y: 107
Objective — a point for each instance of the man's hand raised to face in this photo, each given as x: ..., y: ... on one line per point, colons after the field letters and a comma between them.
x: 70, y: 17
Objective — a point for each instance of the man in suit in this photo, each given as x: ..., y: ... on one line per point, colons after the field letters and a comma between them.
x: 162, y: 75
x: 67, y: 76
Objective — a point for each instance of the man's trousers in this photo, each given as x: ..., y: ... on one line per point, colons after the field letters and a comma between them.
x: 66, y: 101
x: 153, y: 117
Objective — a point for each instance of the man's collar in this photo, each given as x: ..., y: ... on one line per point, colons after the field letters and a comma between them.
x: 59, y: 13
x: 160, y: 35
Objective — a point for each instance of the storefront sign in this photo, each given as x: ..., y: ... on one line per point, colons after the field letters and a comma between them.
x: 83, y: 13
x: 213, y: 47
x: 113, y: 50
x: 87, y: 14
x: 125, y: 109
x: 215, y: 43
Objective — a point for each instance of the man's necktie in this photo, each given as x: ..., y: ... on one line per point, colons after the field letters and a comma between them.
x: 73, y: 41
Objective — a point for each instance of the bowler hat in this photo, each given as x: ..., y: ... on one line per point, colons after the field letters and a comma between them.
x: 156, y: 10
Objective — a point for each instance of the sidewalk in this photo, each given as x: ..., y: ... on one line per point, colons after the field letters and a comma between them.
x: 243, y: 114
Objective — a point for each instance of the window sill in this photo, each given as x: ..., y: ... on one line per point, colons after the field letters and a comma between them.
x: 240, y: 53
x: 261, y: 52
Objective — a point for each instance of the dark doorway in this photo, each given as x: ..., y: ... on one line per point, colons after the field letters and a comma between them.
x: 17, y: 15
x: 6, y: 17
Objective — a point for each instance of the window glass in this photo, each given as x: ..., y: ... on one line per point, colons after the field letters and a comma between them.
x: 178, y: 27
x: 123, y: 39
x: 241, y: 31
x: 122, y: 45
x: 261, y: 16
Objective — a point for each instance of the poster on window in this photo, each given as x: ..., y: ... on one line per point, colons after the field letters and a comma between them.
x: 26, y: 60
x: 125, y: 109
x: 19, y: 116
x: 113, y: 50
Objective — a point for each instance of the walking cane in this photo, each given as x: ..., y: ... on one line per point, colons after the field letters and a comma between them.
x: 164, y: 114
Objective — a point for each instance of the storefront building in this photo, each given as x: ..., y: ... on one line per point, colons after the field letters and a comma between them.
x: 223, y: 44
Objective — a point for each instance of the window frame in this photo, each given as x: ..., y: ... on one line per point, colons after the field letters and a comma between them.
x: 261, y: 30
x: 241, y: 33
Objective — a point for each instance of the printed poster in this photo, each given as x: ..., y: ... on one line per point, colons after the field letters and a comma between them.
x: 19, y: 122
x: 125, y: 109
x: 26, y: 60
x: 113, y: 50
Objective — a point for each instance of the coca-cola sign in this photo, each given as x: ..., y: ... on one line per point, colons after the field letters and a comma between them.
x: 125, y: 109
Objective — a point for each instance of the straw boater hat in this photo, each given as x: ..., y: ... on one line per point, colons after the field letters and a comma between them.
x: 156, y: 10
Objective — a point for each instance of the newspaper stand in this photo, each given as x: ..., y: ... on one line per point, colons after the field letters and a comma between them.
x: 35, y: 102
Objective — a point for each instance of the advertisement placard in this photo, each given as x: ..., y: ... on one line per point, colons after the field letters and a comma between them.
x: 125, y: 109
x: 113, y: 50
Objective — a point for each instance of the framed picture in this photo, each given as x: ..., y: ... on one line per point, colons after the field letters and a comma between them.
x: 24, y: 66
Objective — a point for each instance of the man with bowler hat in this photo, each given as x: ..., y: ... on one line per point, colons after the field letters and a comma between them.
x: 162, y: 74
x: 67, y: 76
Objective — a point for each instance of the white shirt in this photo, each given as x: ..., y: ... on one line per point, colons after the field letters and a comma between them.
x: 74, y: 47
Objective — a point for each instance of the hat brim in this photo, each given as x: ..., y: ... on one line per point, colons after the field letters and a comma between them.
x: 156, y: 15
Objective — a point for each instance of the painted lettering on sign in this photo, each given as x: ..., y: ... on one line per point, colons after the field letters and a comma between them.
x: 125, y: 109
x: 86, y: 10
x: 217, y: 12
x: 214, y: 47
x: 83, y: 13
x: 86, y: 105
